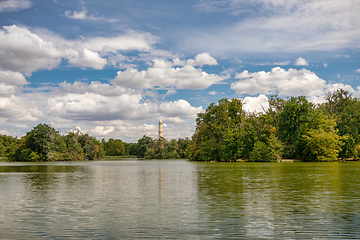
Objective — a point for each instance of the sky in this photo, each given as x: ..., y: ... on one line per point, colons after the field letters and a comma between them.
x: 112, y: 68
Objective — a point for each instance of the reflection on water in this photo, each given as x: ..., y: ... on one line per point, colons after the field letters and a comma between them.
x: 179, y: 199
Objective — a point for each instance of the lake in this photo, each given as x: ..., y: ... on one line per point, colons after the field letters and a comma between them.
x: 179, y: 199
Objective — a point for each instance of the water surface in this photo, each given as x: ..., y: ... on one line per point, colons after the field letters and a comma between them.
x: 179, y: 199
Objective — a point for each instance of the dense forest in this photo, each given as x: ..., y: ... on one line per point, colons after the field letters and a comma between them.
x: 291, y: 128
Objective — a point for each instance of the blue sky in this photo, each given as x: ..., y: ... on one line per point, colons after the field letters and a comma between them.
x: 113, y: 68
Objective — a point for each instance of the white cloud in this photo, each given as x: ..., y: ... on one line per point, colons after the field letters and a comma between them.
x: 290, y: 82
x: 178, y: 108
x: 91, y: 106
x: 12, y: 78
x: 325, y: 65
x: 163, y: 74
x: 100, y: 102
x: 202, y: 59
x: 256, y: 104
x: 279, y: 81
x: 14, y: 5
x: 102, y: 131
x: 212, y: 93
x: 24, y: 51
x: 11, y: 83
x: 358, y: 70
x: 301, y: 62
x: 88, y: 58
x: 19, y: 108
x: 94, y: 87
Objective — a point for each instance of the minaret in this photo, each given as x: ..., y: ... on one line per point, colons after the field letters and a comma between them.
x: 160, y: 129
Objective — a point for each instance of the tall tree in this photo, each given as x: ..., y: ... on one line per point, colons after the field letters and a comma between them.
x: 294, y: 120
x: 346, y: 110
x: 214, y: 127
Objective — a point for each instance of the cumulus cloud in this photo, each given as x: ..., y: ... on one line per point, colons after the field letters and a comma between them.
x: 104, y: 102
x: 24, y: 51
x: 12, y: 78
x: 202, y: 59
x: 11, y: 82
x: 88, y: 58
x: 256, y: 104
x: 91, y: 106
x: 164, y: 74
x: 283, y: 82
x: 301, y: 62
x: 102, y: 131
x: 14, y: 5
x: 290, y: 82
x: 19, y: 108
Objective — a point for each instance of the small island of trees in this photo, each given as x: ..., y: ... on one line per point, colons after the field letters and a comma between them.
x: 291, y: 128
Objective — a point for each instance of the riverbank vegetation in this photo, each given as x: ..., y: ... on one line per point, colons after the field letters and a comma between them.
x: 44, y: 143
x: 292, y: 128
x: 148, y: 148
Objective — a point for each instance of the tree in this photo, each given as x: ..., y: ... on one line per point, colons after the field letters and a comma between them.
x: 93, y: 149
x: 214, y: 128
x: 41, y: 142
x: 346, y: 110
x: 8, y: 145
x: 321, y: 143
x: 114, y: 147
x: 294, y: 121
x: 74, y: 149
x: 143, y: 144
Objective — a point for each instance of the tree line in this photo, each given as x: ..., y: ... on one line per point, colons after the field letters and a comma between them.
x: 291, y: 128
x: 44, y: 143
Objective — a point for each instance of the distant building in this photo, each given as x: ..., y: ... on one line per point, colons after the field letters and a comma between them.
x: 160, y: 129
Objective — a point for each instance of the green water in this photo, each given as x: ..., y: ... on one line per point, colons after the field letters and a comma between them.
x: 179, y: 200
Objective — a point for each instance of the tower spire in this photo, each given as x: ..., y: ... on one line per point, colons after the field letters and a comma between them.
x: 160, y: 129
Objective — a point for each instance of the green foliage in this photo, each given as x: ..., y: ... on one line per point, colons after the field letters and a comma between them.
x: 8, y: 145
x: 74, y: 150
x: 93, y: 149
x: 321, y: 143
x: 294, y: 121
x: 162, y: 148
x: 215, y: 131
x: 291, y: 128
x: 44, y: 143
x: 260, y: 153
x: 346, y: 110
x: 114, y: 147
x: 266, y: 152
